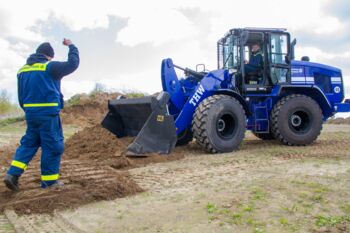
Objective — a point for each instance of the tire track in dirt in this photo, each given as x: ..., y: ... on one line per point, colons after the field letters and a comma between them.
x: 5, y: 225
x: 41, y: 223
x: 189, y: 174
x: 84, y: 183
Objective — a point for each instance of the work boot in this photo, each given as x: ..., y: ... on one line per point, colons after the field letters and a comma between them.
x: 57, y: 185
x: 11, y: 182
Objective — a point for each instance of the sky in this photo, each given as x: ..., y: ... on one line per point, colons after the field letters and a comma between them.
x: 122, y: 43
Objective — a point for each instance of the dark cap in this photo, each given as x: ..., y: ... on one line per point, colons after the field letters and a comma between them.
x: 46, y: 49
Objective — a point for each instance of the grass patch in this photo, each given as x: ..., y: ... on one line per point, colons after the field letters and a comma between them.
x: 12, y: 120
x: 346, y: 208
x: 211, y: 208
x: 135, y: 95
x: 331, y: 221
x: 7, y: 227
x: 74, y: 100
x: 258, y: 194
x: 283, y: 221
x: 240, y: 212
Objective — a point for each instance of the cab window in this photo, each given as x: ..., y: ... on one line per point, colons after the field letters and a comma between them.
x: 279, y: 48
x: 279, y: 69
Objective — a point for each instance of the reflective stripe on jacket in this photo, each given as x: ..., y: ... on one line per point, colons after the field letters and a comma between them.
x: 40, y: 93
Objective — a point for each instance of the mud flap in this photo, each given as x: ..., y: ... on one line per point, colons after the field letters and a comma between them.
x: 146, y: 118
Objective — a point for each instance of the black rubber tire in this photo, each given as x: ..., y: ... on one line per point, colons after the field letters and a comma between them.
x: 208, y: 127
x: 184, y: 138
x: 303, y: 131
x: 264, y: 136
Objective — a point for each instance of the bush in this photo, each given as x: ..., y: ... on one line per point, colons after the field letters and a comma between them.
x: 135, y: 94
x: 74, y: 100
x: 5, y: 103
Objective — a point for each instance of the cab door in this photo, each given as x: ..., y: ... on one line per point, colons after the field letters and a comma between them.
x: 278, y: 54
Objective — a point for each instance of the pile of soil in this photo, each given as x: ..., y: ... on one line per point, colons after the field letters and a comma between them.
x: 86, y: 110
x: 84, y: 183
x: 94, y: 168
x: 102, y: 147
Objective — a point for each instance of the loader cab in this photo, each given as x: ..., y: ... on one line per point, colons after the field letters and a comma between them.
x: 235, y: 52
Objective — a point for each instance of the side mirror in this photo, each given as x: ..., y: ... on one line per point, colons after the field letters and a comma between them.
x: 287, y: 59
x: 292, y: 46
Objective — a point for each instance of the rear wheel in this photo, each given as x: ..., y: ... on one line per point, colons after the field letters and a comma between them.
x: 219, y: 124
x: 296, y: 120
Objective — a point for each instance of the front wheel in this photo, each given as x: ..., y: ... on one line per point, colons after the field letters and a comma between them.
x: 219, y: 124
x: 296, y: 120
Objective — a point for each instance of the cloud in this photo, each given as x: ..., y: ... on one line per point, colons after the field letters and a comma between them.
x: 338, y: 8
x: 169, y: 26
x: 122, y: 43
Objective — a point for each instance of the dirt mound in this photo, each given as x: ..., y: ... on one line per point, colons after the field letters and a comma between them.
x: 94, y: 143
x: 99, y: 145
x: 93, y: 168
x: 85, y: 110
x: 84, y: 183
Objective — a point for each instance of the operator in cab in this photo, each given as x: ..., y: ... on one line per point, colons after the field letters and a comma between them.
x: 256, y: 61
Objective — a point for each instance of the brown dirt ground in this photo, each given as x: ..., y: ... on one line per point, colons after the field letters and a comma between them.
x: 93, y: 168
x: 339, y: 121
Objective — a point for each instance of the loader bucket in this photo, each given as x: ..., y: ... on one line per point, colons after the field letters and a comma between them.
x: 146, y: 118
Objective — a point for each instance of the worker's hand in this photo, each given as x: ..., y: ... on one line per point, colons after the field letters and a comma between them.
x: 245, y: 61
x: 67, y: 42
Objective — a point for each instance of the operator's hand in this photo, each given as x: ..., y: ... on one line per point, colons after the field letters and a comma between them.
x: 66, y: 42
x: 245, y: 61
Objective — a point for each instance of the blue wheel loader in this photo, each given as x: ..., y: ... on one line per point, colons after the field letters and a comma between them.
x: 285, y: 99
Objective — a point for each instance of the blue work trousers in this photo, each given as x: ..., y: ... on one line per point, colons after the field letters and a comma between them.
x: 45, y: 132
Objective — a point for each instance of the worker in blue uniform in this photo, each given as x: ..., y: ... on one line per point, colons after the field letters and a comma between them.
x: 39, y: 95
x: 254, y: 66
x: 256, y: 61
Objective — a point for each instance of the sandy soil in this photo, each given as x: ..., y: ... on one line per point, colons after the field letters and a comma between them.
x: 263, y: 187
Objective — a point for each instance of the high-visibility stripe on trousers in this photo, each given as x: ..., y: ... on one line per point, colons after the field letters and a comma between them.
x: 50, y: 177
x: 19, y: 164
x: 45, y: 132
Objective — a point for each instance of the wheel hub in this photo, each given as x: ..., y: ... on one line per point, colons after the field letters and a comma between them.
x: 296, y: 120
x: 226, y: 125
x: 221, y: 125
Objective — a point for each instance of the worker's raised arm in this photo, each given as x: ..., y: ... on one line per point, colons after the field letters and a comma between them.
x: 60, y: 69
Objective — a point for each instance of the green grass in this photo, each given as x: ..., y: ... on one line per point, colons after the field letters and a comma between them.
x: 9, y: 121
x: 135, y: 94
x: 258, y: 194
x: 74, y: 100
x: 7, y: 227
x: 331, y: 221
x: 211, y: 208
x: 346, y: 208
